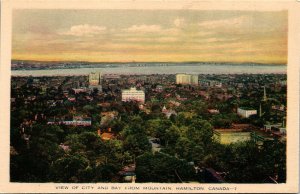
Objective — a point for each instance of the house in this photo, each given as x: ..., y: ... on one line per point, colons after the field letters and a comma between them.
x: 107, y: 136
x: 159, y: 88
x: 246, y: 112
x: 72, y: 99
x: 128, y: 173
x: 178, y: 97
x: 270, y: 127
x: 107, y: 117
x: 64, y: 147
x: 79, y: 90
x: 104, y: 104
x: 174, y: 103
x: 155, y: 144
x: 167, y: 112
x: 213, y: 111
x: 278, y: 107
x: 111, y: 114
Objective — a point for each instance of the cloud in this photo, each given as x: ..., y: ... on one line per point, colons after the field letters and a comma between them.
x: 143, y: 28
x: 178, y: 22
x: 168, y: 39
x: 214, y: 40
x: 149, y: 39
x: 85, y: 30
x: 211, y: 40
x: 227, y: 23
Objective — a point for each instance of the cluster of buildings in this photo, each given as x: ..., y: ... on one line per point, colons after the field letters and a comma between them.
x: 132, y: 94
x: 159, y: 88
x: 247, y: 132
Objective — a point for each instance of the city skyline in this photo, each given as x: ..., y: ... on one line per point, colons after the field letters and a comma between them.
x: 150, y: 36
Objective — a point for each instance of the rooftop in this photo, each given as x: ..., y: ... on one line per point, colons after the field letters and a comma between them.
x: 246, y: 108
x: 107, y: 136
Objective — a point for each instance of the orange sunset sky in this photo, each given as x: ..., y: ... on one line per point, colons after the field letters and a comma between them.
x: 150, y: 36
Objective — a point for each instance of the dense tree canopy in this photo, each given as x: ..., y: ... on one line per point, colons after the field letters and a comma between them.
x: 185, y: 141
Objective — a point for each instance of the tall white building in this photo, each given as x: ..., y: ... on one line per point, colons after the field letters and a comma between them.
x: 246, y: 112
x: 133, y: 94
x: 194, y: 79
x: 186, y: 79
x: 95, y: 81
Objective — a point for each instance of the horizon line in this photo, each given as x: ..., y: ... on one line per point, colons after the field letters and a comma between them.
x: 48, y: 61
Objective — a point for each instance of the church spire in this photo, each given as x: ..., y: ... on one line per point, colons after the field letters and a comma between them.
x: 260, y: 110
x: 265, y: 94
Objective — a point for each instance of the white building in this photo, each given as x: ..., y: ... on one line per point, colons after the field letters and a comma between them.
x: 133, y: 94
x: 246, y: 112
x: 95, y: 81
x: 76, y: 121
x: 186, y: 79
x: 194, y: 79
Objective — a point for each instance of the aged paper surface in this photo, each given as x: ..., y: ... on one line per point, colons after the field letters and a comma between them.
x: 41, y: 42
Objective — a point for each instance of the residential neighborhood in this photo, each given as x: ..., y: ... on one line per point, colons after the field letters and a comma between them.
x: 123, y: 128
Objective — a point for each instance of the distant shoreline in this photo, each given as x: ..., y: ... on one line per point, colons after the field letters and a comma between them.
x: 203, y: 69
x: 49, y: 66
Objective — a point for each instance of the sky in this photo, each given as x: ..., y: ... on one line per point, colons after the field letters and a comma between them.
x: 150, y: 36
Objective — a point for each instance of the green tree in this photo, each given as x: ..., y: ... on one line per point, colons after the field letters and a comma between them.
x: 69, y: 167
x: 137, y: 144
x: 171, y: 135
x: 160, y: 167
x: 200, y: 132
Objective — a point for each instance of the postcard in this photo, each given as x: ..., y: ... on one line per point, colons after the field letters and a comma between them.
x: 149, y: 96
